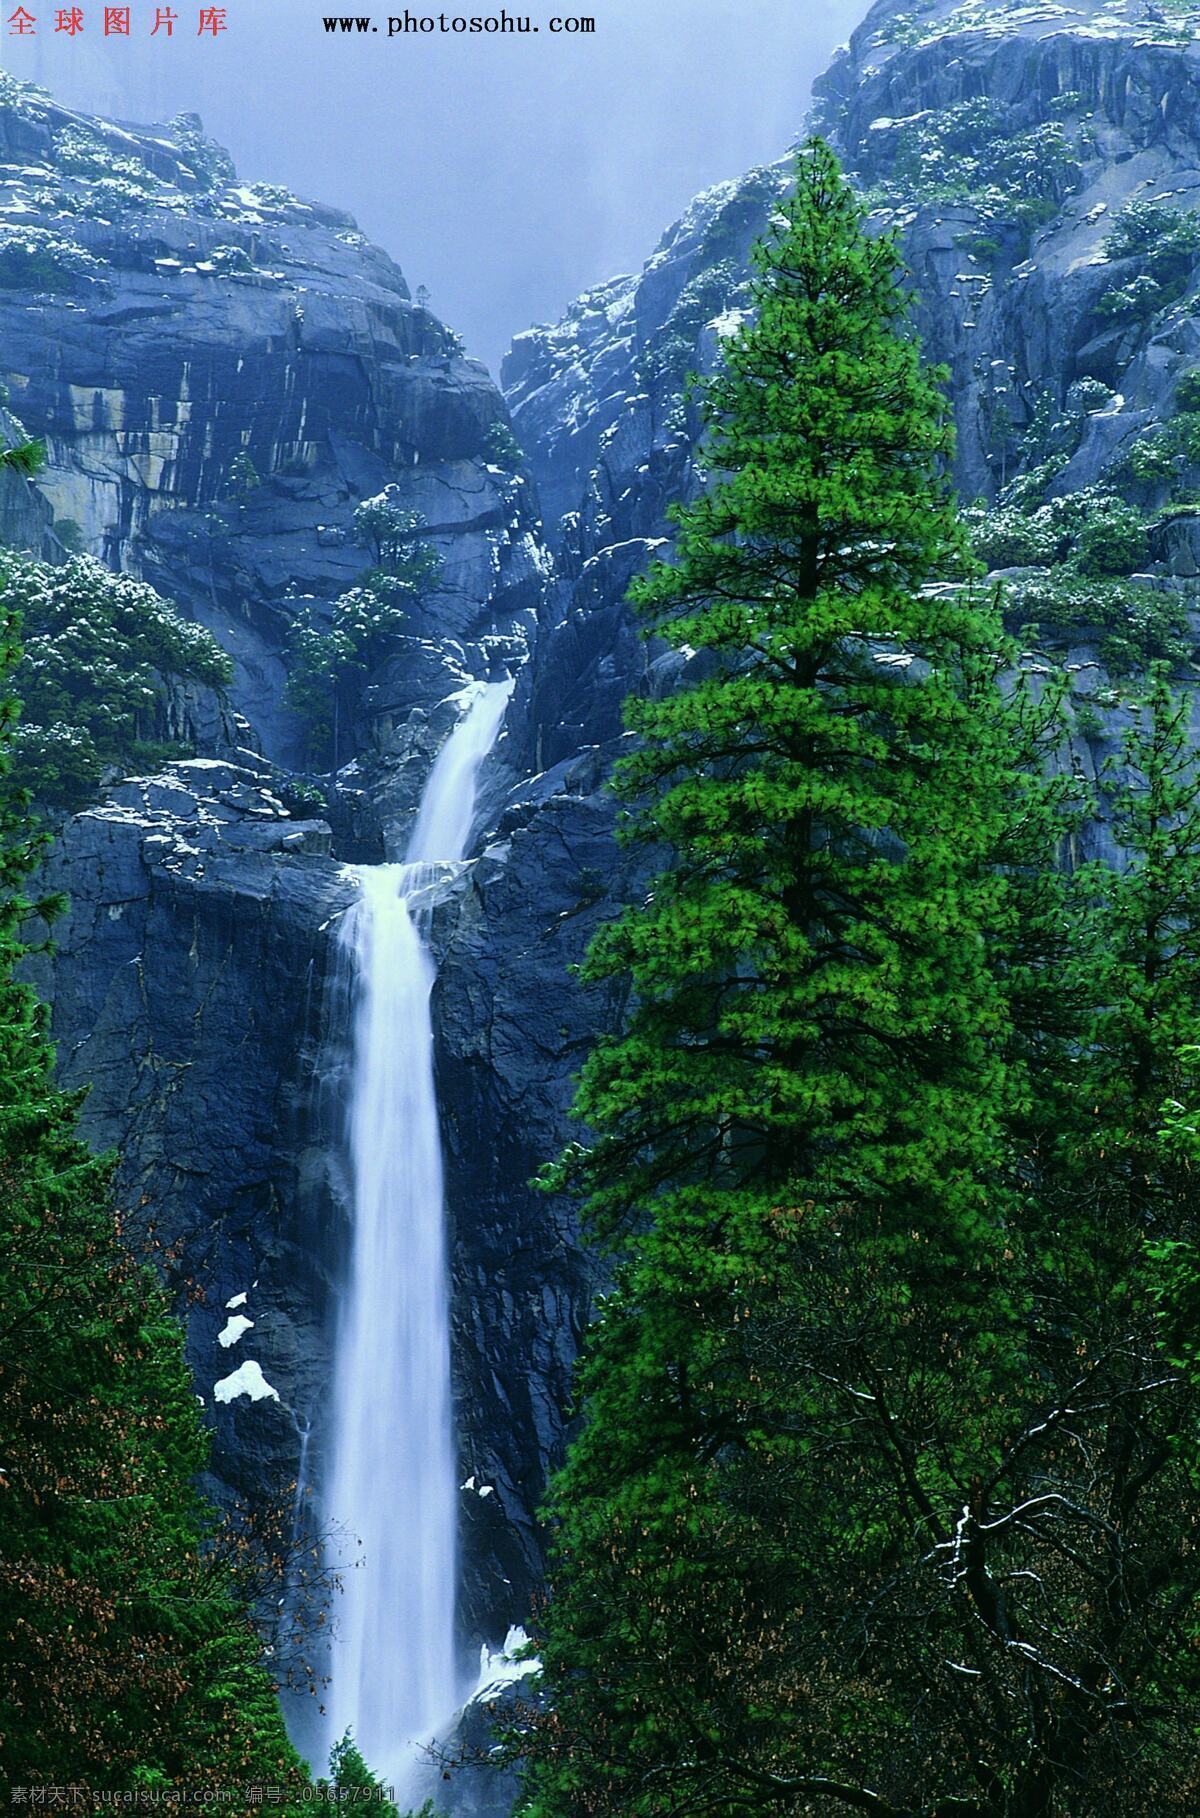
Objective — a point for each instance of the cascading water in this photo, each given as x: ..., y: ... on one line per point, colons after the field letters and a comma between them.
x: 391, y: 1485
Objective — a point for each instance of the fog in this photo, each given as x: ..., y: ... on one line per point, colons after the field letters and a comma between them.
x: 505, y: 173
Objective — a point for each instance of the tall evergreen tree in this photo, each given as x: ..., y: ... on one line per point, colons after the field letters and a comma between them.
x: 789, y: 970
x: 1137, y: 966
x: 127, y: 1661
x: 799, y: 1132
x: 1112, y: 1471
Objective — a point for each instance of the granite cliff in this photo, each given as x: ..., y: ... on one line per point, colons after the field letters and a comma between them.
x: 159, y: 321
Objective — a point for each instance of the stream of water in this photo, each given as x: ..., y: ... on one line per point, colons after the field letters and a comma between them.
x: 392, y: 1493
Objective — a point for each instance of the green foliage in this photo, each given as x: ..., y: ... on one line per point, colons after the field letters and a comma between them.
x: 1154, y: 231
x: 501, y: 448
x: 1087, y: 395
x: 38, y: 258
x: 981, y: 247
x: 1091, y: 528
x: 243, y: 477
x: 1165, y: 241
x: 209, y: 162
x: 973, y: 152
x: 25, y: 99
x: 1132, y: 624
x: 97, y: 650
x: 26, y: 458
x: 906, y: 28
x: 230, y: 259
x: 798, y: 1128
x: 273, y: 196
x: 1142, y: 945
x: 333, y: 650
x: 352, y: 1775
x: 1136, y: 301
x: 83, y: 154
x: 128, y: 1660
x: 1087, y: 543
x: 1153, y: 459
x: 1161, y: 456
x: 1111, y: 540
x: 671, y: 354
x: 303, y: 796
x: 107, y: 198
x: 1052, y: 436
x: 1187, y: 391
x: 387, y: 528
x: 886, y: 1493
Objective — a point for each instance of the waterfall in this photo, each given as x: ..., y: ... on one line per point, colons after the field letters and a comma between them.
x: 395, y: 1677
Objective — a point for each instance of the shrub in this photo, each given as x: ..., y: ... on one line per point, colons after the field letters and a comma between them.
x: 82, y: 154
x: 1153, y: 458
x: 97, y: 648
x: 109, y: 197
x: 36, y: 258
x: 972, y: 151
x: 334, y: 649
x: 230, y: 259
x: 23, y: 98
x: 1014, y: 536
x: 1139, y: 300
x: 981, y: 247
x: 1086, y: 395
x: 243, y: 477
x: 1152, y: 230
x: 1112, y: 540
x: 1134, y: 625
x: 209, y: 162
x: 273, y: 195
x: 391, y: 531
x: 1166, y: 242
x: 501, y: 448
x: 303, y: 796
x: 26, y: 458
x: 666, y: 359
x: 1013, y: 539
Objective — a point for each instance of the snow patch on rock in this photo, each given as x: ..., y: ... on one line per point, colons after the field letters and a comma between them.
x: 248, y: 1380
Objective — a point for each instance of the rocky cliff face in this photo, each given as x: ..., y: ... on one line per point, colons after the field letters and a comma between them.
x: 1002, y: 141
x: 1005, y: 142
x: 159, y: 320
x: 221, y: 374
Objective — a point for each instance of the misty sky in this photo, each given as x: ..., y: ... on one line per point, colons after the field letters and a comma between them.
x: 506, y: 174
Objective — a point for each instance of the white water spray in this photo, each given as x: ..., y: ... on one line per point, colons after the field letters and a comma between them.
x: 392, y: 1483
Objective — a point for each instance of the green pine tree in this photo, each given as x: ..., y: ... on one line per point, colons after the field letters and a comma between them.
x: 787, y: 968
x: 1138, y: 953
x: 799, y: 1156
x: 1100, y: 1574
